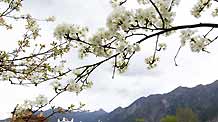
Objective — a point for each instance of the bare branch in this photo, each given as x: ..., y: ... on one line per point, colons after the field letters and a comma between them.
x: 177, y: 53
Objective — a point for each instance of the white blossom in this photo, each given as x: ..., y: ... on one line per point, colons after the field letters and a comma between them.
x: 162, y: 46
x: 120, y: 18
x: 73, y: 87
x: 74, y: 31
x: 146, y: 17
x: 115, y: 3
x: 41, y: 100
x: 6, y: 75
x: 199, y: 7
x: 136, y: 47
x: 167, y: 16
x: 198, y: 44
x: 215, y: 12
x: 56, y: 85
x: 22, y: 109
x: 152, y: 61
x: 186, y: 35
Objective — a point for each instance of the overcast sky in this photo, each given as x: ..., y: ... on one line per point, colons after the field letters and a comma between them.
x: 110, y: 93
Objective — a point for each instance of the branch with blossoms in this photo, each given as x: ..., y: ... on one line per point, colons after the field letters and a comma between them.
x: 30, y: 109
x: 29, y: 63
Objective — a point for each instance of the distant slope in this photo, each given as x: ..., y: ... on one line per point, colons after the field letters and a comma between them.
x: 6, y: 120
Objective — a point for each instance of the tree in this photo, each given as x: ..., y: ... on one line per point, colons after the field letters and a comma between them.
x: 139, y: 120
x: 169, y: 118
x: 186, y: 115
x: 182, y: 115
x: 30, y: 63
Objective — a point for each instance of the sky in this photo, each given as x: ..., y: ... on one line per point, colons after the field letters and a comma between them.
x: 108, y: 93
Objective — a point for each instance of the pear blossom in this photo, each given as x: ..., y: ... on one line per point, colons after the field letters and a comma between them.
x: 186, y: 35
x: 120, y: 18
x: 198, y: 44
x: 152, y: 61
x: 146, y: 17
x: 215, y: 12
x: 72, y: 30
x: 73, y: 87
x: 199, y: 7
x: 162, y: 46
x: 56, y: 85
x: 41, y: 100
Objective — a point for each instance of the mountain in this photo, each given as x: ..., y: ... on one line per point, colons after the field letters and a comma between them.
x: 6, y: 120
x: 202, y: 99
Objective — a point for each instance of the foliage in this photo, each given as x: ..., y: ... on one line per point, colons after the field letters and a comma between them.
x: 139, y: 120
x: 182, y: 115
x: 186, y: 115
x: 169, y: 118
x: 30, y: 62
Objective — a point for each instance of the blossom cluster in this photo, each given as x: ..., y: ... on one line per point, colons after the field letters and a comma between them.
x: 186, y: 35
x: 32, y: 26
x: 199, y: 43
x: 29, y: 105
x: 13, y: 5
x: 166, y: 13
x: 146, y: 17
x: 200, y: 7
x: 116, y: 3
x: 160, y: 11
x: 215, y: 12
x: 72, y: 86
x: 120, y: 18
x: 100, y: 42
x: 152, y: 61
x: 162, y: 46
x: 74, y: 31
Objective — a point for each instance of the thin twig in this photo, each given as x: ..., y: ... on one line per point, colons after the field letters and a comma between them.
x: 177, y: 53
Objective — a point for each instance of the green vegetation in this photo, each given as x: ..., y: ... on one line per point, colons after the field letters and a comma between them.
x: 169, y: 118
x: 139, y: 120
x: 186, y: 115
x: 182, y: 115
